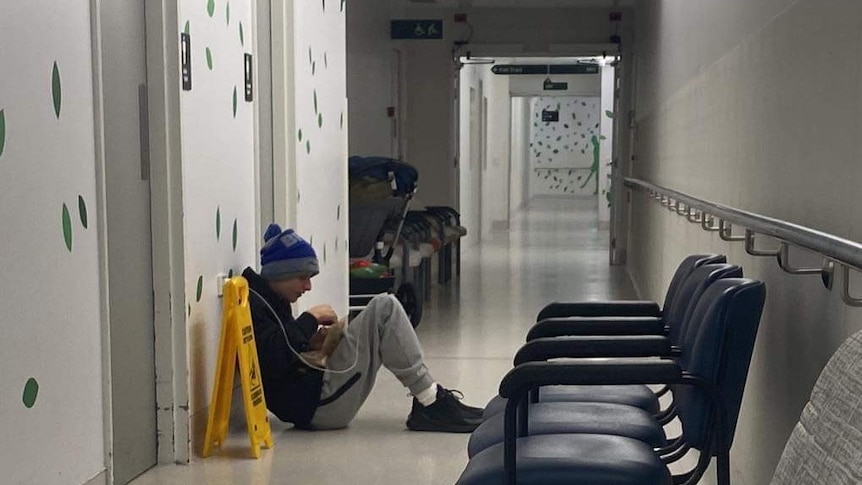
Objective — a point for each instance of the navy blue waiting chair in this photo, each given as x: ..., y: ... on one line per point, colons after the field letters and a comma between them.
x: 631, y: 308
x: 553, y: 338
x: 708, y: 381
x: 550, y: 417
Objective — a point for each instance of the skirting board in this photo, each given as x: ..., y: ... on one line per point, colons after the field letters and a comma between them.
x: 100, y: 479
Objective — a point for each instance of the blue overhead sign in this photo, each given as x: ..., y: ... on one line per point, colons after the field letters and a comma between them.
x: 417, y: 29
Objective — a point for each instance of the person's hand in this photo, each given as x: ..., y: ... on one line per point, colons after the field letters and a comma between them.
x: 316, y: 340
x: 324, y: 314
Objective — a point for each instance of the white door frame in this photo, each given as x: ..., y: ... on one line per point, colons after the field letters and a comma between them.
x: 102, y: 238
x: 283, y: 111
x: 166, y: 193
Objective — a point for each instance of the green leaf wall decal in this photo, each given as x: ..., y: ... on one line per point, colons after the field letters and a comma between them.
x: 234, y: 101
x: 241, y: 35
x: 309, y: 55
x: 341, y: 121
x: 325, y: 60
x: 609, y: 114
x: 320, y: 120
x: 308, y: 147
x: 230, y: 273
x: 210, y: 7
x: 209, y: 59
x: 315, y: 101
x: 227, y: 13
x: 313, y: 67
x: 31, y: 392
x: 82, y: 212
x: 323, y: 2
x: 235, y: 234
x: 200, y: 289
x: 187, y: 28
x: 2, y: 130
x: 342, y: 5
x: 299, y: 134
x: 324, y: 253
x: 218, y: 224
x: 67, y: 227
x: 56, y: 90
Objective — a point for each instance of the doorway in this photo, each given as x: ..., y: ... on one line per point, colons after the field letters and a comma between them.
x: 129, y: 241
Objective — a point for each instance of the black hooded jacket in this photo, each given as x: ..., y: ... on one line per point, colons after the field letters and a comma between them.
x: 291, y: 388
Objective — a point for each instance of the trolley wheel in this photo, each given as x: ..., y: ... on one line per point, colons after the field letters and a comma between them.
x: 411, y: 302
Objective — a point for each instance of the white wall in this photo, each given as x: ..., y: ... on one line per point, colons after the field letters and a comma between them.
x: 469, y: 168
x: 50, y: 305
x: 321, y: 153
x: 369, y: 77
x: 518, y: 189
x: 606, y: 144
x: 754, y: 104
x: 218, y: 181
x: 495, y: 181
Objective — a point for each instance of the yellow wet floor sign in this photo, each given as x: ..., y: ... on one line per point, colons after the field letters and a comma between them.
x: 237, y: 344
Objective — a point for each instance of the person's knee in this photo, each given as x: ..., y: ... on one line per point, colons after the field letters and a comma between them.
x: 384, y: 304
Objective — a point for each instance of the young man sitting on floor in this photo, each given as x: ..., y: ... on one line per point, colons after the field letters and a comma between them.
x: 298, y: 390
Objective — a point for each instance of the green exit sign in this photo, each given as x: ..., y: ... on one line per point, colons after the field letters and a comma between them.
x: 417, y: 29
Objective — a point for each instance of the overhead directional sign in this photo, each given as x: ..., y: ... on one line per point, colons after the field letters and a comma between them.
x: 549, y: 85
x: 516, y: 69
x: 417, y: 29
x: 574, y: 69
x: 509, y: 69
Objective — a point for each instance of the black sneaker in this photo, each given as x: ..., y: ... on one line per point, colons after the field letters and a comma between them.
x: 446, y: 415
x: 458, y: 396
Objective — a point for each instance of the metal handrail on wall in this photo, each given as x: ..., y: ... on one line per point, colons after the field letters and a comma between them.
x: 720, y: 218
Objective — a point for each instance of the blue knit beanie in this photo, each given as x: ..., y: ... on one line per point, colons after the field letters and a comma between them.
x: 286, y: 255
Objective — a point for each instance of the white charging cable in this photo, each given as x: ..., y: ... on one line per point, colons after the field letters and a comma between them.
x: 301, y: 358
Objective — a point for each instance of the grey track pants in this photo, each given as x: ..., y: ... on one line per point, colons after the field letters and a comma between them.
x: 382, y: 335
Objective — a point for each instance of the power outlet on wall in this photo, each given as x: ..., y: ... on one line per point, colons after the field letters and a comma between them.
x: 220, y: 281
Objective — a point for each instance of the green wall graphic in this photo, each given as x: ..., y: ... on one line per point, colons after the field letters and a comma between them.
x: 210, y: 7
x: 56, y: 89
x: 31, y: 392
x: 209, y: 59
x: 2, y: 131
x: 234, y: 101
x: 82, y: 212
x: 227, y: 13
x: 200, y: 289
x: 235, y: 235
x: 241, y: 35
x: 67, y: 227
x: 218, y: 224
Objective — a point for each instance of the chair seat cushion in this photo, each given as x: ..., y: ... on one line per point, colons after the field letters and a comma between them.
x: 638, y: 396
x: 573, y: 459
x: 574, y: 417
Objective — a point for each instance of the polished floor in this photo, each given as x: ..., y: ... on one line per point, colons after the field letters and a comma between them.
x: 470, y: 331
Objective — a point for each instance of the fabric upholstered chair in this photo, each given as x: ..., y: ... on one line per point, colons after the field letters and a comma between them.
x: 826, y: 445
x: 708, y: 381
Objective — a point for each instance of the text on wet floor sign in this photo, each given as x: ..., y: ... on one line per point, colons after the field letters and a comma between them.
x: 236, y: 345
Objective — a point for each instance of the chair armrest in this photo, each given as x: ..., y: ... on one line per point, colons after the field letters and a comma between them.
x: 593, y: 346
x: 620, y: 308
x: 560, y: 327
x: 532, y: 375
